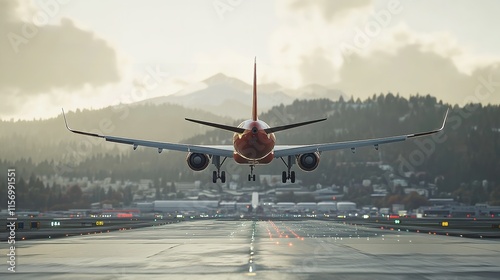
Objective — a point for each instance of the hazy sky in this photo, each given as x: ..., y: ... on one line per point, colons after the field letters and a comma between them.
x: 96, y: 53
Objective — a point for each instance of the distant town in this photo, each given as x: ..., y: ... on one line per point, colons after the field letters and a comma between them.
x: 109, y: 198
x: 454, y: 173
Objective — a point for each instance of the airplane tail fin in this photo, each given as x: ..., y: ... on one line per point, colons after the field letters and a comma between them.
x: 254, y: 114
x: 254, y: 104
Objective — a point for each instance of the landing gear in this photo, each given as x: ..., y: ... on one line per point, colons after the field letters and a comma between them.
x: 218, y: 174
x: 251, y: 176
x: 221, y: 176
x: 288, y: 174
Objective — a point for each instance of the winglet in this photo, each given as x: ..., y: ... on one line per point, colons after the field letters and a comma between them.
x: 433, y: 131
x: 445, y: 118
x: 77, y: 131
x: 65, y: 121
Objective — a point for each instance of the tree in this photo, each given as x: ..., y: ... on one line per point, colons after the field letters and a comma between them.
x: 127, y: 195
x: 74, y: 194
x: 413, y: 201
x: 157, y: 189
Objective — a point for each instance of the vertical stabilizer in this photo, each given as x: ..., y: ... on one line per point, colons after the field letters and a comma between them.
x: 254, y: 104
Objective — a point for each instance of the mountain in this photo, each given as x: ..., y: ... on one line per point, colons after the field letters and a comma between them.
x: 48, y: 139
x: 230, y: 97
x: 219, y: 98
x: 314, y: 91
x: 465, y: 157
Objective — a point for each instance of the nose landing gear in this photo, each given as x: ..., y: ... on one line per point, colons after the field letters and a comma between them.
x: 251, y: 176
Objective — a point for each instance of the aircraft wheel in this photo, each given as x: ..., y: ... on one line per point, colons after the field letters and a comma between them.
x: 223, y: 176
x: 253, y: 177
x: 283, y: 177
x: 292, y: 176
x: 214, y: 177
x: 249, y: 177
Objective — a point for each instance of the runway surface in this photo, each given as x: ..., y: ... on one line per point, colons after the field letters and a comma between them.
x: 210, y: 249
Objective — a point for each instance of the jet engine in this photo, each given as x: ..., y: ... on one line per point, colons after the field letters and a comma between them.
x: 197, y: 162
x: 308, y: 162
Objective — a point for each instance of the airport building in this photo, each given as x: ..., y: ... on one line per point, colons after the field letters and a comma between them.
x: 455, y: 211
x: 173, y: 206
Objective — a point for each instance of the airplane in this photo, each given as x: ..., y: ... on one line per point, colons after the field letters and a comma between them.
x: 254, y: 143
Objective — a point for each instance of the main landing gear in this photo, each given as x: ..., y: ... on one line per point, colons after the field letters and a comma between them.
x: 218, y: 174
x: 288, y: 174
x: 251, y: 176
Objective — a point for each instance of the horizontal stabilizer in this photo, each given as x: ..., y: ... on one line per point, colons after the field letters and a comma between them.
x: 221, y: 126
x: 288, y: 126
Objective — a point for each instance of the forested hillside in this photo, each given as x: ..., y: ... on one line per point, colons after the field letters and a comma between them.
x: 468, y: 150
x: 41, y: 140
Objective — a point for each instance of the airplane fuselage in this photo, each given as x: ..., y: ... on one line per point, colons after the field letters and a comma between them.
x: 254, y: 145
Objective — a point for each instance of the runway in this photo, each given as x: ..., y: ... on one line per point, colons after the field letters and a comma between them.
x: 211, y: 249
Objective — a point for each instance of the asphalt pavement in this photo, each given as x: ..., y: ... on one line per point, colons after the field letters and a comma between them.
x: 211, y: 249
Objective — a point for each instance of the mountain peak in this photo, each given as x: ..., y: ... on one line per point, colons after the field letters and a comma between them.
x: 217, y: 78
x: 221, y: 78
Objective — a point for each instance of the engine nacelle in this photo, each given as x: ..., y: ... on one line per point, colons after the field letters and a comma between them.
x: 308, y: 162
x: 197, y: 162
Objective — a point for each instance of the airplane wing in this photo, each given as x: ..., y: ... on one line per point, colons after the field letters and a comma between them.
x: 283, y: 150
x: 215, y: 150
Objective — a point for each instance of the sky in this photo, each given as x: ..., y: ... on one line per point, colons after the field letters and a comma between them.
x: 82, y: 54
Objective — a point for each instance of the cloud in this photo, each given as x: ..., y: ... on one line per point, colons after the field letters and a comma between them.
x: 385, y: 54
x: 316, y: 68
x: 37, y: 57
x: 411, y: 70
x: 329, y: 9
